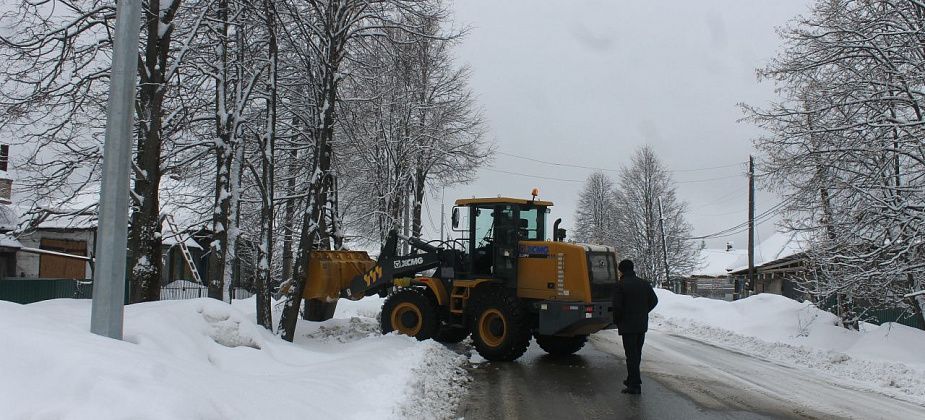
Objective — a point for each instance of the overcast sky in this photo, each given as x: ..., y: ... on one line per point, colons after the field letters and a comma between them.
x: 587, y: 82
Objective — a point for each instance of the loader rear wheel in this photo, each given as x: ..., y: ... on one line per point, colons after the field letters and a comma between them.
x: 410, y: 313
x: 451, y: 335
x: 499, y: 324
x: 561, y: 346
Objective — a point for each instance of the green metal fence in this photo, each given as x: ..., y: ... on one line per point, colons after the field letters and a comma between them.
x: 29, y: 290
x: 898, y: 316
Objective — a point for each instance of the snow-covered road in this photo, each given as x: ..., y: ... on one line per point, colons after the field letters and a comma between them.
x: 721, y: 378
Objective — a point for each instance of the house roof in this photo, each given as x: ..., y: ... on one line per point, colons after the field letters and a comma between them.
x: 7, y: 241
x: 779, y: 247
x: 717, y: 262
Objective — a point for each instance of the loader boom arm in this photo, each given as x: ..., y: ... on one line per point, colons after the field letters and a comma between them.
x: 390, y: 266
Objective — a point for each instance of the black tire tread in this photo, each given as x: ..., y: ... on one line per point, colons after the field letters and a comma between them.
x: 414, y: 296
x: 519, y: 335
x: 561, y: 346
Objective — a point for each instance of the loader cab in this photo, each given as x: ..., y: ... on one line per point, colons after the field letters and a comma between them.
x: 491, y: 231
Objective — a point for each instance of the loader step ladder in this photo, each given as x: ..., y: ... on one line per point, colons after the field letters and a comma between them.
x: 184, y: 249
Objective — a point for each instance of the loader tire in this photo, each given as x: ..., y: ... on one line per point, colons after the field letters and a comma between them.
x: 451, y: 335
x: 499, y: 324
x: 410, y: 313
x: 561, y: 346
x: 318, y: 310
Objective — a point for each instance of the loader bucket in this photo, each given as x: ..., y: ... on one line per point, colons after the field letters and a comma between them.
x: 329, y: 272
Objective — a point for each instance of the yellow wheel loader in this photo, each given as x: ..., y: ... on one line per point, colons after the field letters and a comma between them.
x: 500, y: 282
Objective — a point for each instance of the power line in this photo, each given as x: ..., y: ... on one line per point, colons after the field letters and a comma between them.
x: 572, y: 165
x: 742, y: 227
x: 534, y: 176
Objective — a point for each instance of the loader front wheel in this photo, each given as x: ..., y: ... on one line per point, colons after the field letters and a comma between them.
x: 410, y: 313
x: 499, y: 324
x: 561, y: 346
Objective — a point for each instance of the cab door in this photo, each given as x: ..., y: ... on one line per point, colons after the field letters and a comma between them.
x: 505, y: 240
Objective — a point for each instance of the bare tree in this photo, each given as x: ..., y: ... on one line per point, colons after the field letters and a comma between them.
x: 643, y: 184
x: 596, y: 215
x: 845, y: 148
x: 326, y: 29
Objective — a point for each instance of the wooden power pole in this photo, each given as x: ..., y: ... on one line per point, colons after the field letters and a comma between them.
x: 661, y: 226
x: 751, y: 226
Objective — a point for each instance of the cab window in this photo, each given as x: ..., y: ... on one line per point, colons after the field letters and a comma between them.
x: 531, y: 223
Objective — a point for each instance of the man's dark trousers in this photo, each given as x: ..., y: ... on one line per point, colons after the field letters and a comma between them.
x: 632, y: 346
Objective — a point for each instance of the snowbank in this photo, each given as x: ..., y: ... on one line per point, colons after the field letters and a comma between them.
x: 204, y: 359
x: 888, y: 358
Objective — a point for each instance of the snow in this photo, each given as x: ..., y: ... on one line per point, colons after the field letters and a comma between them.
x: 206, y: 359
x: 887, y: 359
x: 780, y: 245
x: 8, y: 241
x: 171, y: 240
x: 717, y: 262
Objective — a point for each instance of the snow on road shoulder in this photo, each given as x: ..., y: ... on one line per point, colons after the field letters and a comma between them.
x: 204, y: 359
x: 887, y: 358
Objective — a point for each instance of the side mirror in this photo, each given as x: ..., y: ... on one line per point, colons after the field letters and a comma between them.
x: 455, y: 217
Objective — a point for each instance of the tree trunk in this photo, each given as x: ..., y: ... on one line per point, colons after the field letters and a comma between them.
x: 288, y: 222
x: 420, y: 179
x: 144, y: 239
x: 318, y: 197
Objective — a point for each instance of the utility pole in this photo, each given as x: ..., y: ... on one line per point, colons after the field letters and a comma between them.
x: 751, y: 226
x: 109, y: 274
x: 661, y: 226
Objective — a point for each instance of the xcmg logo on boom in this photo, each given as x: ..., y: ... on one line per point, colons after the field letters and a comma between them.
x: 409, y: 262
x: 373, y: 275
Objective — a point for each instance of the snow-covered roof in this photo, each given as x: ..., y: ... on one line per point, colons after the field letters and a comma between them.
x: 8, y: 241
x: 170, y: 239
x: 777, y: 247
x: 717, y: 262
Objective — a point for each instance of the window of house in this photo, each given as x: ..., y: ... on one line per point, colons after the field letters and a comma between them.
x: 4, y: 156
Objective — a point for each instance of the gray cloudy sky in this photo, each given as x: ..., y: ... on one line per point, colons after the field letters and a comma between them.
x: 587, y: 82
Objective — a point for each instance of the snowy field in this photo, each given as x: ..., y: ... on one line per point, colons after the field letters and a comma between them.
x: 888, y: 359
x: 204, y: 359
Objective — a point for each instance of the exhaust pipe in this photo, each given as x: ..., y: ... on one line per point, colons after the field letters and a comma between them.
x: 555, y: 231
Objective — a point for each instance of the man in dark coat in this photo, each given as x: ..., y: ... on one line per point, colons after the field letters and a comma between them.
x: 633, y: 299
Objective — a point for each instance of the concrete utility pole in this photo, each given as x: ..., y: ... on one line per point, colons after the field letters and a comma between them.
x: 661, y: 226
x: 109, y: 273
x: 751, y: 225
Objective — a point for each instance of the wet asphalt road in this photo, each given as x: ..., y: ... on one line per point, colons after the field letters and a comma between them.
x: 584, y: 386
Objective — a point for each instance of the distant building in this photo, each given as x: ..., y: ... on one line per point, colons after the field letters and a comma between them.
x: 57, y: 243
x: 711, y: 277
x: 780, y: 265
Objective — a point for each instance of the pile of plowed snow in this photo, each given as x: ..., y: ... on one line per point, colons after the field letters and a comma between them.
x: 888, y: 357
x: 205, y: 359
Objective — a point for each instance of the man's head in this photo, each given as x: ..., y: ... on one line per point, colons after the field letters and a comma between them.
x: 625, y: 267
